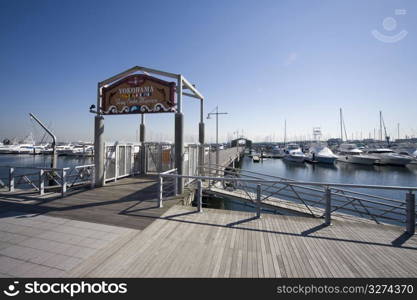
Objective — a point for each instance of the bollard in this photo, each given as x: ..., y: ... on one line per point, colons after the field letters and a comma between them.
x: 328, y: 208
x: 160, y: 190
x: 64, y: 182
x: 410, y: 201
x: 41, y: 182
x: 258, y: 201
x: 200, y: 195
x: 11, y: 180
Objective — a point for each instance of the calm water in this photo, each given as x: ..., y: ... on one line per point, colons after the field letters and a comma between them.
x: 338, y: 173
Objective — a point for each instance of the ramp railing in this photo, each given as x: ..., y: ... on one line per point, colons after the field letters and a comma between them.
x: 42, y: 180
x: 316, y: 198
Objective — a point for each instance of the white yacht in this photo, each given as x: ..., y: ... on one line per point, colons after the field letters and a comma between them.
x: 278, y: 152
x: 64, y: 149
x: 293, y: 153
x: 81, y: 150
x: 389, y: 157
x: 351, y: 154
x: 321, y: 154
x: 8, y: 149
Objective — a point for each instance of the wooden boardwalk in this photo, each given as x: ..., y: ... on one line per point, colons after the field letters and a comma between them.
x: 125, y: 235
x: 130, y: 202
x: 218, y: 243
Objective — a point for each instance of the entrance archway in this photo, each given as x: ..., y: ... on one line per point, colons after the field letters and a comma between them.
x: 131, y: 93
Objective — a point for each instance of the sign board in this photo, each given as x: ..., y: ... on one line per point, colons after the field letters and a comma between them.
x: 138, y: 94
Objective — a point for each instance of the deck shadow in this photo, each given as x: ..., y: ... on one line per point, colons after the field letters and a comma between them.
x: 304, y: 234
x: 399, y: 241
x: 241, y: 221
x: 314, y: 229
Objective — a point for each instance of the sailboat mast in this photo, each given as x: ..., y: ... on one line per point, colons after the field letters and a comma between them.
x: 341, y: 125
x: 398, y: 129
x: 380, y: 125
x: 285, y: 132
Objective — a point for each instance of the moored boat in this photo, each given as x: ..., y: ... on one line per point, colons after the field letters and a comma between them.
x: 351, y: 154
x: 389, y: 157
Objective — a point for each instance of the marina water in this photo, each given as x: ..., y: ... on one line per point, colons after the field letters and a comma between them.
x: 340, y: 172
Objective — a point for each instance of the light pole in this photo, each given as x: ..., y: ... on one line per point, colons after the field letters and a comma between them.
x: 217, y: 113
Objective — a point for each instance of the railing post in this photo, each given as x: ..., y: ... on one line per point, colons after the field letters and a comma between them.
x: 11, y: 180
x: 160, y: 190
x: 258, y: 201
x: 93, y: 177
x: 116, y: 162
x: 41, y: 182
x: 160, y: 158
x: 176, y: 184
x: 64, y: 182
x: 328, y: 208
x: 200, y: 196
x: 411, y: 213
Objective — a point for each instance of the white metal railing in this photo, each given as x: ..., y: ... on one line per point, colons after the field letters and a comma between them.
x: 167, y: 186
x: 120, y: 160
x: 329, y: 197
x: 43, y: 179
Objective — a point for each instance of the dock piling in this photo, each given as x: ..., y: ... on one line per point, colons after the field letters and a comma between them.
x: 410, y: 212
x: 328, y: 213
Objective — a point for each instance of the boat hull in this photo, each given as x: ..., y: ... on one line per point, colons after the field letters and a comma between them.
x: 326, y: 159
x: 394, y: 161
x: 356, y: 159
x: 293, y: 158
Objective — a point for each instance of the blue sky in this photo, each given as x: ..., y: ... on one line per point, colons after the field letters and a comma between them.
x: 260, y: 61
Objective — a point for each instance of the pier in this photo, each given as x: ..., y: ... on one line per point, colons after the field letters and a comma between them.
x: 82, y: 236
x: 121, y: 230
x: 138, y: 210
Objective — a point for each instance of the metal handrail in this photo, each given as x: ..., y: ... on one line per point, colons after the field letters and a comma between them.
x: 62, y: 178
x: 362, y: 209
x: 291, y: 181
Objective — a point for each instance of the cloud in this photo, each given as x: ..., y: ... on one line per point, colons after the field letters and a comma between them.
x: 292, y: 57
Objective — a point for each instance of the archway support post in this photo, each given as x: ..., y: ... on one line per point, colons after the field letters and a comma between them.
x: 142, y: 135
x: 179, y: 137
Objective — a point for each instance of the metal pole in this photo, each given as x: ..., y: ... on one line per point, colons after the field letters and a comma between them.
x: 142, y: 133
x: 217, y: 140
x: 258, y: 201
x: 200, y: 196
x: 411, y: 213
x: 176, y: 184
x: 201, y: 139
x: 54, y: 158
x: 209, y: 164
x: 99, y: 150
x: 179, y: 136
x: 327, y: 213
x: 41, y: 182
x: 11, y: 179
x: 160, y: 166
x: 160, y: 190
x: 93, y: 179
x: 116, y: 162
x: 64, y: 182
